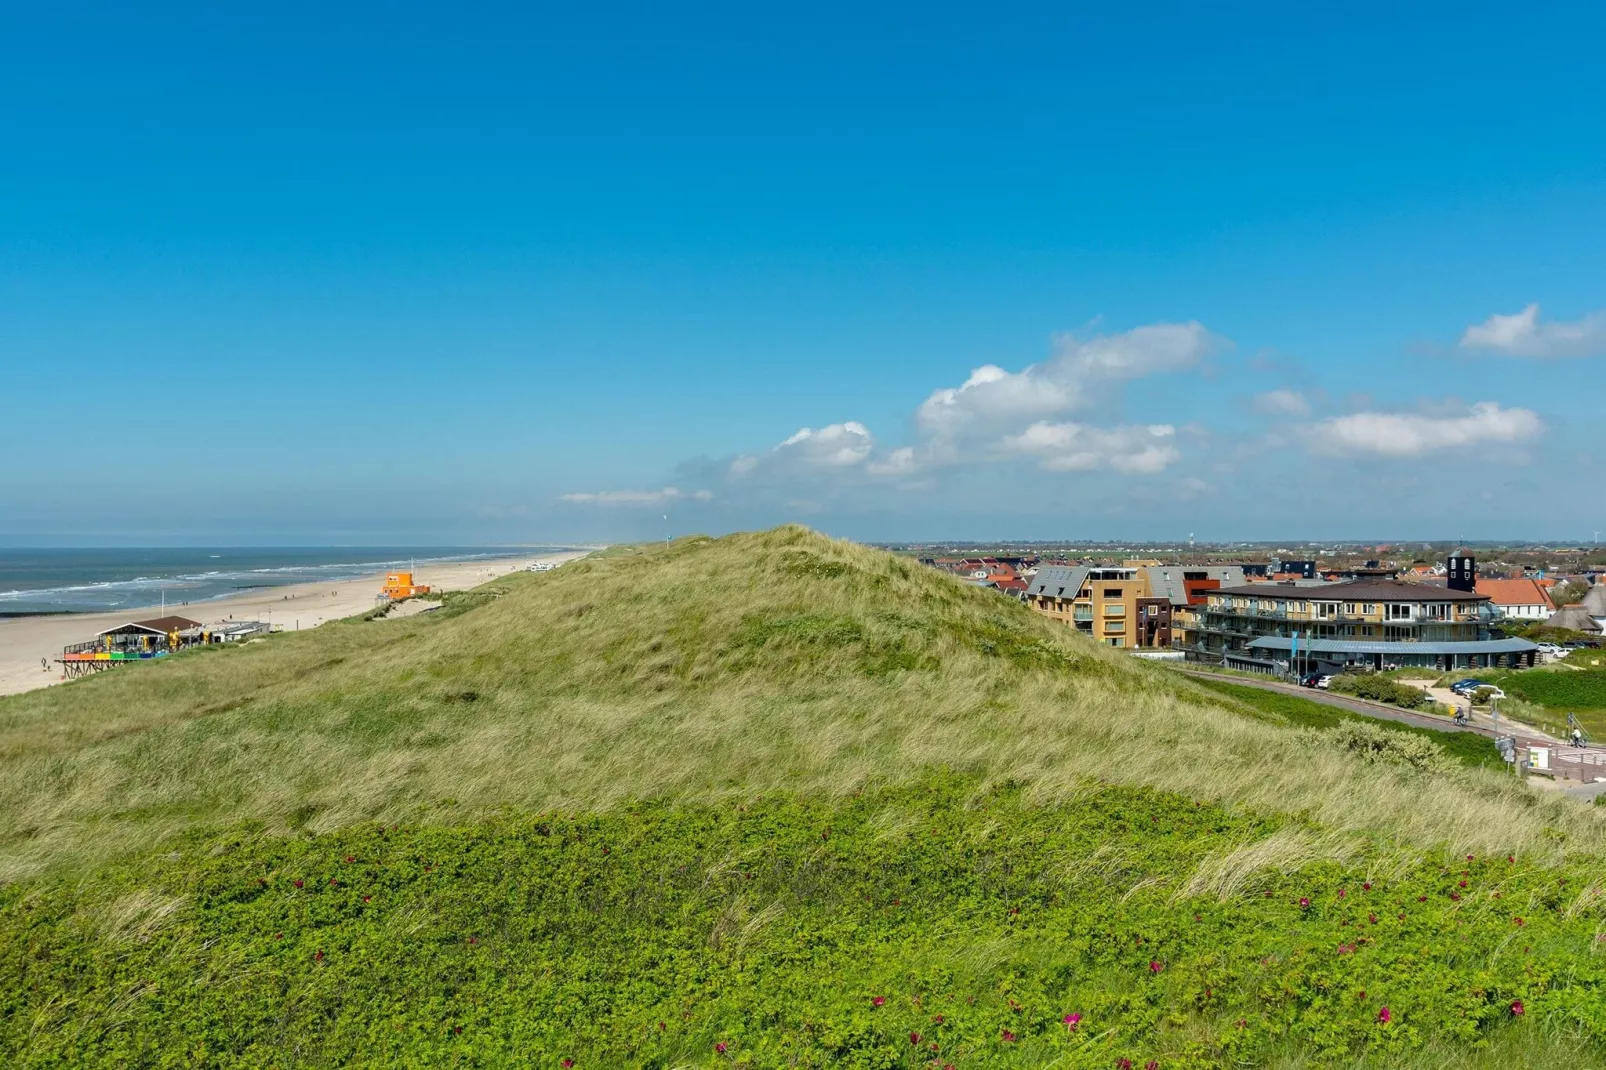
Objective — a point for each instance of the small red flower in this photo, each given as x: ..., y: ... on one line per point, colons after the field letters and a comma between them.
x: 1516, y: 1007
x: 350, y: 859
x: 1517, y: 921
x: 1470, y: 858
x: 1243, y: 1023
x: 1155, y: 966
x: 914, y: 1038
x: 298, y: 882
x: 566, y: 1064
x: 878, y: 1001
x: 662, y: 1027
x: 1361, y: 994
x: 1384, y: 1016
x: 1072, y: 1021
x: 1008, y: 1037
x: 1421, y: 899
x: 1123, y: 1064
x: 318, y: 957
x: 1463, y: 884
x: 1304, y: 902
x: 457, y: 1029
x: 1455, y: 897
x: 1511, y: 858
x: 720, y: 1047
x: 1366, y: 886
x: 333, y: 883
x: 367, y: 898
x: 1341, y: 893
x: 936, y: 1019
x: 1152, y: 1064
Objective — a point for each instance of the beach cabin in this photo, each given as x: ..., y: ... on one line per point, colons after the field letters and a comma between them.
x: 135, y: 641
x: 400, y: 585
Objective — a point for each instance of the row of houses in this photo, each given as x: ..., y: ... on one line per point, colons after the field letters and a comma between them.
x: 1305, y: 618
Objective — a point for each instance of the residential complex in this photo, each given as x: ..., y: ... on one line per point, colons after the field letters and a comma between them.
x: 1371, y: 624
x: 1133, y: 607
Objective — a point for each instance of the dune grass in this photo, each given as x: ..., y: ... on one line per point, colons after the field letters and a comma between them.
x: 532, y: 814
x: 697, y: 670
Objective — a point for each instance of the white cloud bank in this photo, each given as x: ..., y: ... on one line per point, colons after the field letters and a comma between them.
x: 997, y: 415
x: 993, y: 400
x: 641, y: 499
x: 1386, y: 434
x: 1523, y: 335
x: 1069, y: 447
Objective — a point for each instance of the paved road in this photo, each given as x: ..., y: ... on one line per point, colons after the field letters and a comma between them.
x: 1567, y: 762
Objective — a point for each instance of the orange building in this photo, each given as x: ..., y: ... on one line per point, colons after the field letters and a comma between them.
x: 401, y: 585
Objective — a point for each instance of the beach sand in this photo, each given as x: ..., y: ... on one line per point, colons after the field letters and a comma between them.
x: 25, y: 640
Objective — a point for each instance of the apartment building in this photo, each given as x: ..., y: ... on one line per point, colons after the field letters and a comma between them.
x: 1265, y: 627
x: 1101, y: 603
x: 1137, y: 606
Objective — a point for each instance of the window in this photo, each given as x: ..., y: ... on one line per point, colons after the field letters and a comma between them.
x: 1114, y: 627
x: 1117, y: 610
x: 1116, y: 642
x: 1399, y: 611
x: 1112, y: 592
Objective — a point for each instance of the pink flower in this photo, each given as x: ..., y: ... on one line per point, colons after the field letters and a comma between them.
x: 1470, y: 858
x: 1463, y: 884
x: 1072, y: 1021
x: 1517, y: 921
x: 298, y: 882
x: 914, y: 1038
x: 1008, y: 1037
x: 1341, y: 893
x: 566, y: 1064
x: 1372, y: 918
x: 1123, y: 1064
x: 720, y: 1047
x: 1516, y: 1007
x: 1384, y: 1016
x: 1155, y: 966
x: 1304, y: 902
x: 879, y: 1001
x: 1366, y: 886
x: 1152, y: 1064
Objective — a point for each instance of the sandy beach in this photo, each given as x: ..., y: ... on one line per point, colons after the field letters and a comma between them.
x: 24, y: 641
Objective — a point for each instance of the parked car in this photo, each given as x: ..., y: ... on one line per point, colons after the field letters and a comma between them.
x: 1309, y: 679
x: 1323, y: 683
x: 1468, y: 686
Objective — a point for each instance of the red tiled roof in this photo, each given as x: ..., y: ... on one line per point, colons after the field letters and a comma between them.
x: 1514, y: 593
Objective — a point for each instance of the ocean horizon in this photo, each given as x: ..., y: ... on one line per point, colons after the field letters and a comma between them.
x: 36, y: 582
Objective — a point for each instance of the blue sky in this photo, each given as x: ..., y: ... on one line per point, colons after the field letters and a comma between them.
x: 523, y: 272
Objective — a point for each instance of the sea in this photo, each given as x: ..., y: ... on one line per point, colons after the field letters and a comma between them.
x: 86, y: 581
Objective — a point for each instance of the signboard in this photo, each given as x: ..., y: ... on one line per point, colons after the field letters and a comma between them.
x: 1539, y: 758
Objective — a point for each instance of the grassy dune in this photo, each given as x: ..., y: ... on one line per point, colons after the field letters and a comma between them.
x: 818, y: 770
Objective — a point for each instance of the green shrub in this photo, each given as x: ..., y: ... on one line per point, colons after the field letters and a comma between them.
x: 937, y: 923
x: 1378, y: 744
x: 1380, y: 689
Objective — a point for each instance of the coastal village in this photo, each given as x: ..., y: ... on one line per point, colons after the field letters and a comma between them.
x: 1285, y: 615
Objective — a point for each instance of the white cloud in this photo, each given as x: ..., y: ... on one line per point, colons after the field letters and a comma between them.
x: 637, y: 498
x: 1282, y: 403
x: 992, y: 399
x: 1070, y: 447
x: 835, y: 447
x: 1522, y: 335
x: 1386, y: 434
